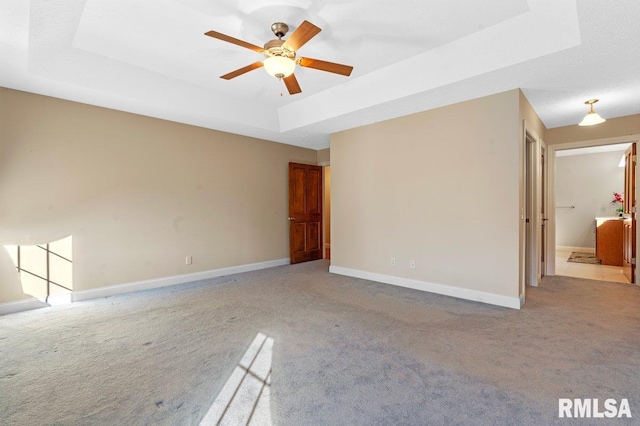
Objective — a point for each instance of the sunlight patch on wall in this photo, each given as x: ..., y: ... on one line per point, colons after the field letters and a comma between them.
x: 244, y: 399
x: 46, y: 270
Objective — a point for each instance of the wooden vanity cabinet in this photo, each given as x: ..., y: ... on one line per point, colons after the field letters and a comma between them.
x: 609, y: 234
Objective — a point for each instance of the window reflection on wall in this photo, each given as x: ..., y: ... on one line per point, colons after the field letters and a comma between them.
x: 45, y: 269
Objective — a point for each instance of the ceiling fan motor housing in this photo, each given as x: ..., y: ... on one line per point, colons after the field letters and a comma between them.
x: 277, y: 48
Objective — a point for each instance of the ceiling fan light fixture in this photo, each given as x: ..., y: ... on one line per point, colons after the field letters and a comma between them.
x: 279, y: 66
x: 280, y: 55
x: 592, y: 117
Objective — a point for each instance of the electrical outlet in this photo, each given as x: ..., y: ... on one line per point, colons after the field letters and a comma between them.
x: 412, y: 264
x: 393, y: 261
x: 188, y: 260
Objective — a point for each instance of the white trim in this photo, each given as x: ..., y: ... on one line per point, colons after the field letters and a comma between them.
x: 324, y: 163
x: 578, y: 249
x: 522, y: 231
x: 521, y: 299
x: 173, y: 280
x: 618, y: 147
x: 596, y: 142
x: 533, y: 201
x: 21, y: 305
x: 551, y: 210
x: 59, y: 299
x: 447, y: 290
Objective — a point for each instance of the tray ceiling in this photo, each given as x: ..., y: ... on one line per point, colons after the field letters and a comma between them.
x: 152, y: 58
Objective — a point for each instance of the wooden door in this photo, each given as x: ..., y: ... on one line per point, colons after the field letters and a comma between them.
x: 629, y: 227
x: 305, y: 212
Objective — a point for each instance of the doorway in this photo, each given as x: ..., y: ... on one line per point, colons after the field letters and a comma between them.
x: 305, y: 212
x: 588, y: 235
x: 326, y: 173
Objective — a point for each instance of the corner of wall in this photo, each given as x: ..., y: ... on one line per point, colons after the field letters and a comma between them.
x: 323, y: 157
x: 531, y: 116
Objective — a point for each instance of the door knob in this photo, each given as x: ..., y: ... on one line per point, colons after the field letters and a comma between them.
x: 292, y: 218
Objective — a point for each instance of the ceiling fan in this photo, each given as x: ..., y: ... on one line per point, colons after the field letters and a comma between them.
x: 280, y: 55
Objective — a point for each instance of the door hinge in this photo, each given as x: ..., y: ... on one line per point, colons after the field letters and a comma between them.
x: 633, y: 158
x: 633, y: 260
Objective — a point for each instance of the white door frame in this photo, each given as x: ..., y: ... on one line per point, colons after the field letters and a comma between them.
x: 532, y: 206
x: 543, y: 198
x: 551, y: 193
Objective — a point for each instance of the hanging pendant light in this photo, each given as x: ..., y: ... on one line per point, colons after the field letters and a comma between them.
x: 592, y: 117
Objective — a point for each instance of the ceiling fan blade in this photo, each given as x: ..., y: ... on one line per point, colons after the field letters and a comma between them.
x: 305, y: 32
x: 234, y: 74
x: 230, y: 39
x: 292, y: 84
x: 326, y: 66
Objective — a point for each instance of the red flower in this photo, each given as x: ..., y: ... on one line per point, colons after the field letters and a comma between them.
x: 618, y: 198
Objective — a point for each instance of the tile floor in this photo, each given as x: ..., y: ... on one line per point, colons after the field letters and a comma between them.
x: 582, y: 270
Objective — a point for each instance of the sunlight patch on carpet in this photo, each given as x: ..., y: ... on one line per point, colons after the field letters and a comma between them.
x: 244, y: 399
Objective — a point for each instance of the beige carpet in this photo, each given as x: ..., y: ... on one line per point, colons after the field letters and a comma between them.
x: 344, y: 352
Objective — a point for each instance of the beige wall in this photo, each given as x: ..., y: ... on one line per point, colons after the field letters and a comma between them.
x: 613, y: 127
x: 138, y: 194
x: 440, y: 187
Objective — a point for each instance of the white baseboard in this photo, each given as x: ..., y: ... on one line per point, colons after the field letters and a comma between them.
x: 461, y: 293
x: 521, y: 298
x: 578, y: 249
x: 60, y: 299
x: 21, y: 305
x: 173, y: 280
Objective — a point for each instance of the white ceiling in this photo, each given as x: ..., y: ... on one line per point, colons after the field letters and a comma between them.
x: 151, y: 57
